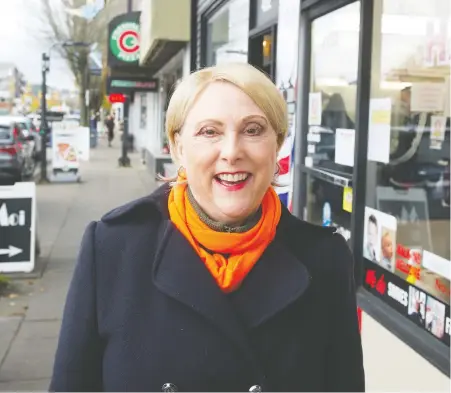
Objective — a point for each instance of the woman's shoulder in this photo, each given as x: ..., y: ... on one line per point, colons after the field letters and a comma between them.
x: 150, y: 207
x: 127, y: 229
x: 294, y: 229
x: 323, y: 247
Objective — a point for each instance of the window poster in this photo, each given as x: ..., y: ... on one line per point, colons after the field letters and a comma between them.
x: 380, y: 238
x: 428, y: 97
x: 347, y: 199
x: 420, y: 307
x: 379, y: 129
x: 315, y: 109
x: 395, y: 271
x: 438, y: 129
x: 416, y: 260
x: 344, y: 146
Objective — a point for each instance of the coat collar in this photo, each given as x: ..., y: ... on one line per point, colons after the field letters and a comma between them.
x: 275, y: 282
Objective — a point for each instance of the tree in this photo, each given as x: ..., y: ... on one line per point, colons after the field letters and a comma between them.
x: 72, y: 36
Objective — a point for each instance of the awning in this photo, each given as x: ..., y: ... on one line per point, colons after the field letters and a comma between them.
x: 165, y: 30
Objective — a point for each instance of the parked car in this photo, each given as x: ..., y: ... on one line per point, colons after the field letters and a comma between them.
x: 29, y: 128
x: 16, y: 156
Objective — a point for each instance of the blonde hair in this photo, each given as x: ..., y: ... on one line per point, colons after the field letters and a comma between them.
x: 242, y: 75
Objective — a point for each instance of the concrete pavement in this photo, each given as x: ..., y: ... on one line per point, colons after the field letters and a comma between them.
x: 30, y: 314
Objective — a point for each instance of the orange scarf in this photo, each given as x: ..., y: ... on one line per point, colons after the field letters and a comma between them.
x: 244, y: 249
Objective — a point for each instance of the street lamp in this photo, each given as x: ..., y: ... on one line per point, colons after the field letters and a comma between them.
x: 44, y: 125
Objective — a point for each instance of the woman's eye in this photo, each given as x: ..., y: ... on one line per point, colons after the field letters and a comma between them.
x: 253, y: 131
x: 207, y: 132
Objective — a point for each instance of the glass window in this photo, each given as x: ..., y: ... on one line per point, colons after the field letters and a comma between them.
x: 407, y: 218
x: 327, y: 205
x: 332, y: 102
x: 332, y: 99
x: 227, y: 33
x: 265, y: 11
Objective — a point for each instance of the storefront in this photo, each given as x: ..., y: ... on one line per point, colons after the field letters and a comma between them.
x: 367, y: 87
x: 165, y: 52
x: 373, y: 154
x: 239, y: 30
x: 169, y: 76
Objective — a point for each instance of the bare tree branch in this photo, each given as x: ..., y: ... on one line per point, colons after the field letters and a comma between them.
x: 58, y: 26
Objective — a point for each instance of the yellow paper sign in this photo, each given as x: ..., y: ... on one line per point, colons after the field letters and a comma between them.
x: 347, y: 199
x: 380, y: 117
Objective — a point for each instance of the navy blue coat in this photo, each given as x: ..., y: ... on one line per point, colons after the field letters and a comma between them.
x: 143, y: 311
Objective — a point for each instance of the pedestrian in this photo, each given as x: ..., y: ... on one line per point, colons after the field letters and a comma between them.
x: 210, y: 283
x: 109, y: 123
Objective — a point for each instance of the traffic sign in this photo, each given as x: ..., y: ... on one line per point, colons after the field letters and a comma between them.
x: 17, y: 227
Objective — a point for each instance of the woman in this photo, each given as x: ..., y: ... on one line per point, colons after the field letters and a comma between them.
x: 209, y: 284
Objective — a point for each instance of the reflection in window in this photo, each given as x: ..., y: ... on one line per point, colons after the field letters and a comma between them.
x: 408, y: 178
x: 332, y: 102
x: 227, y: 33
x: 332, y: 99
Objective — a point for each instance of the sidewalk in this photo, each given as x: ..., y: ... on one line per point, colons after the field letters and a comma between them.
x: 30, y: 316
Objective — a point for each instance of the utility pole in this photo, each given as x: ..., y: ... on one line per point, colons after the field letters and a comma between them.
x: 44, y: 127
x: 124, y: 160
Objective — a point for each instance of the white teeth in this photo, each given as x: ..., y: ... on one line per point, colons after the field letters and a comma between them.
x: 233, y: 178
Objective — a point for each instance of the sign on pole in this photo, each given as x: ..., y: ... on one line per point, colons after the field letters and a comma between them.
x: 17, y: 228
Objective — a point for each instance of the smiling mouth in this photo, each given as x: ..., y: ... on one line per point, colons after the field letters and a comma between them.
x: 233, y: 180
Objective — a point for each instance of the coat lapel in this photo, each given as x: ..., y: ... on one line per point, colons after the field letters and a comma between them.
x: 275, y: 282
x: 179, y: 272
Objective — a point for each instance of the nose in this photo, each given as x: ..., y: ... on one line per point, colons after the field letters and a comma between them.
x: 231, y: 149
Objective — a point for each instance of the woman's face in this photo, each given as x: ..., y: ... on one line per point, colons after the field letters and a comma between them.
x: 229, y: 151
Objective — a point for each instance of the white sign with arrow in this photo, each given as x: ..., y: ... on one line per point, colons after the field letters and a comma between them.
x: 10, y: 251
x: 17, y: 227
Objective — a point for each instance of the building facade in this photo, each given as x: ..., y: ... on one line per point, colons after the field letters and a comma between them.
x: 12, y: 85
x: 367, y: 85
x: 165, y: 51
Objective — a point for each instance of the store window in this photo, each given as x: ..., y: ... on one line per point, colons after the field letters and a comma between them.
x: 407, y: 216
x: 264, y: 12
x: 227, y: 34
x: 331, y: 121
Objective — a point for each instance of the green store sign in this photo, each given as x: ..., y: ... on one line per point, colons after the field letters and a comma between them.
x: 124, y: 42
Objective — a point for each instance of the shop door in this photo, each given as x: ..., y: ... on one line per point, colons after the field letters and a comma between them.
x: 329, y: 132
x: 262, y: 51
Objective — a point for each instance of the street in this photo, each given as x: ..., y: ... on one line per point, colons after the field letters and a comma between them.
x: 30, y: 311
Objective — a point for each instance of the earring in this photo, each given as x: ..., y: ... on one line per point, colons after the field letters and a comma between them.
x: 181, y: 171
x: 277, y: 170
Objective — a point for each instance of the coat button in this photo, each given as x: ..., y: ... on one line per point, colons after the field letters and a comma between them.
x: 169, y: 387
x: 256, y: 388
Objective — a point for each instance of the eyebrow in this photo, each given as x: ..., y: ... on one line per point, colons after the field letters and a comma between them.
x: 243, y: 120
